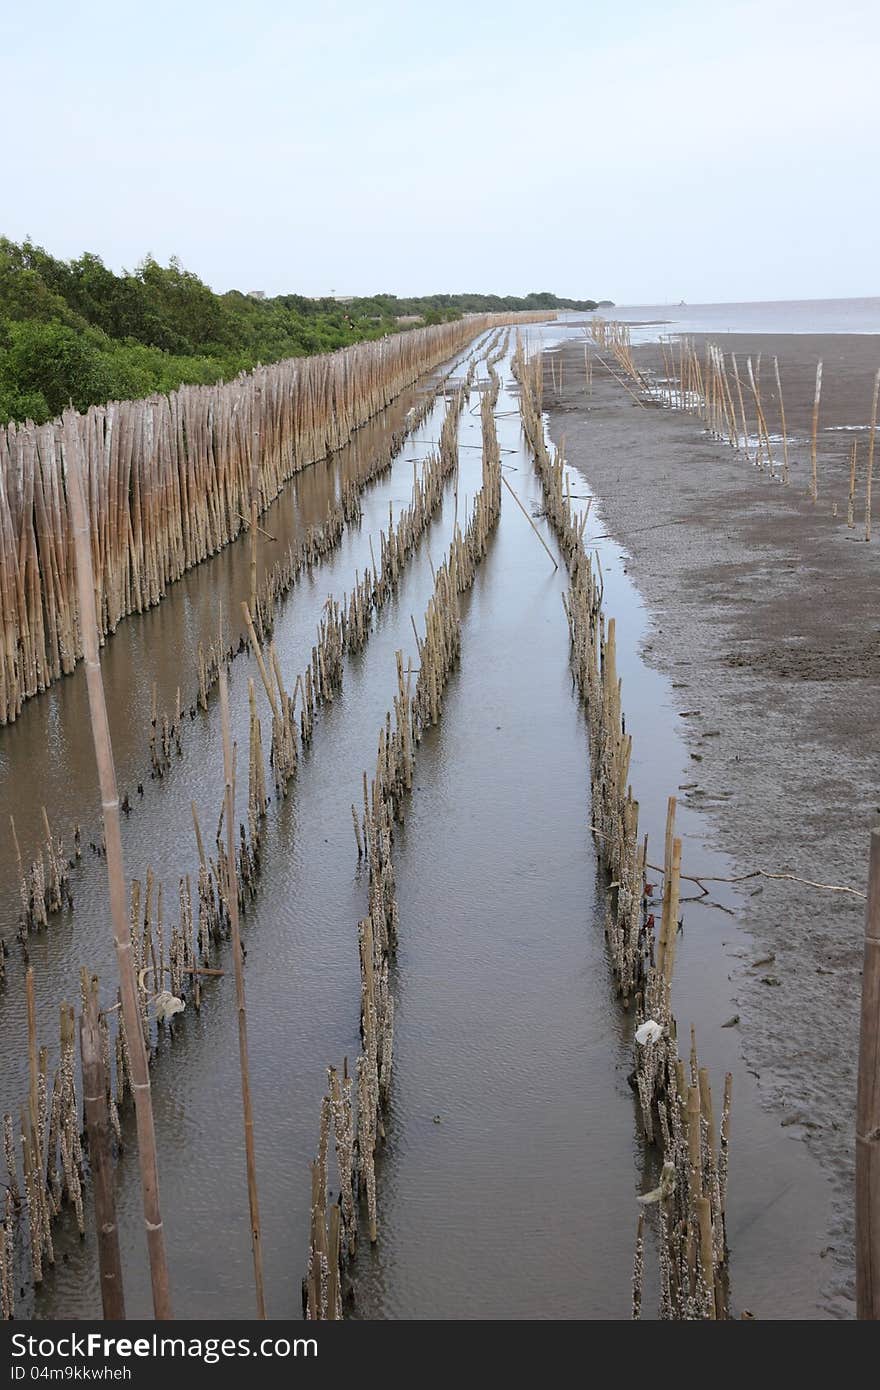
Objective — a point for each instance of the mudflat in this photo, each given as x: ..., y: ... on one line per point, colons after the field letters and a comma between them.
x: 765, y: 606
x: 849, y: 366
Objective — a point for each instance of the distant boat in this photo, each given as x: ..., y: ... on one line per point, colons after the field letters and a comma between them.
x: 681, y: 304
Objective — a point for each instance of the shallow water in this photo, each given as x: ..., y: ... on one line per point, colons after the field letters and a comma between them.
x: 506, y: 1190
x: 519, y: 1202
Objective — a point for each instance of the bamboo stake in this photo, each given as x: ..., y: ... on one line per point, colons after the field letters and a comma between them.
x: 871, y: 441
x: 95, y: 1089
x: 851, y: 499
x: 814, y: 479
x: 253, y: 1199
x: 33, y: 1069
x: 742, y: 408
x: 116, y: 880
x: 782, y: 419
x: 267, y: 684
x: 868, y: 1108
x: 255, y: 487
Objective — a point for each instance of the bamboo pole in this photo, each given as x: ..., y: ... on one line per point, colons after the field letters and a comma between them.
x: 529, y: 520
x: 267, y: 684
x: 871, y: 441
x: 95, y: 1091
x: 742, y: 408
x: 255, y: 488
x: 253, y: 1198
x: 814, y: 477
x: 868, y: 1108
x: 33, y: 1068
x: 851, y: 497
x: 140, y: 1075
x: 782, y: 419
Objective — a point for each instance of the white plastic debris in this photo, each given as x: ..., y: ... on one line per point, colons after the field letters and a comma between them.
x: 666, y: 1188
x: 649, y: 1031
x: 167, y: 1005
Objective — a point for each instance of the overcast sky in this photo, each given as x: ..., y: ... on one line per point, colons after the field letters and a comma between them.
x: 642, y: 151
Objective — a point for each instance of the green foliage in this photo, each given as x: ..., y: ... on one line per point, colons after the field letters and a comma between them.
x: 54, y: 362
x: 75, y: 331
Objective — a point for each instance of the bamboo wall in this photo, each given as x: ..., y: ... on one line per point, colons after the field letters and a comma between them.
x: 169, y: 482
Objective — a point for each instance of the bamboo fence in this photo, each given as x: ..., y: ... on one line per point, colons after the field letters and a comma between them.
x: 355, y: 1107
x: 55, y: 1167
x: 719, y: 397
x: 44, y: 885
x: 675, y: 1106
x: 169, y: 481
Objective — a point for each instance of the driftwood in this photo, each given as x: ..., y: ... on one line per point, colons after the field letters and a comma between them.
x: 701, y: 879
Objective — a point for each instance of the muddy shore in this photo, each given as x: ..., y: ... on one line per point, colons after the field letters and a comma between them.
x: 765, y: 616
x: 849, y: 364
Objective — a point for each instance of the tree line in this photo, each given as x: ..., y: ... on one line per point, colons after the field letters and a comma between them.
x: 75, y: 331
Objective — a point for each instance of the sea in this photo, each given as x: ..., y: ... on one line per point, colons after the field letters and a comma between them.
x: 650, y: 321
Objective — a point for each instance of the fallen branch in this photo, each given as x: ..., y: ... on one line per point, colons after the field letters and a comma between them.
x: 655, y: 526
x: 703, y: 879
x: 620, y: 380
x: 766, y: 873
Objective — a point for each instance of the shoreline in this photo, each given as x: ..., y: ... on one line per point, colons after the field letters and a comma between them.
x: 766, y: 623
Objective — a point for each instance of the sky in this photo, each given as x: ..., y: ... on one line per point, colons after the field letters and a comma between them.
x: 646, y: 152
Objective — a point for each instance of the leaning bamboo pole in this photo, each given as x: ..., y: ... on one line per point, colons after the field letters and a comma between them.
x: 137, y: 1054
x: 530, y: 521
x: 782, y: 421
x: 742, y: 408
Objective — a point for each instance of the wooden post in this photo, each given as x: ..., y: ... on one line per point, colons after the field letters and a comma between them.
x: 253, y: 523
x: 98, y: 1129
x: 33, y: 1070
x: 782, y: 420
x: 868, y: 1108
x: 851, y: 500
x: 814, y: 477
x: 871, y: 440
x: 267, y: 684
x: 140, y: 1075
x: 253, y: 1199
